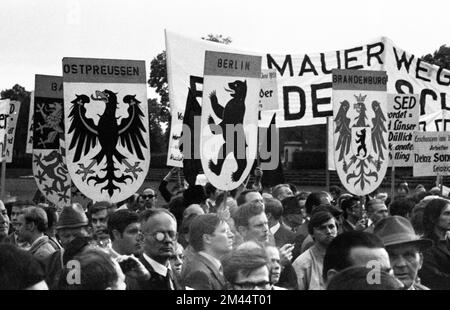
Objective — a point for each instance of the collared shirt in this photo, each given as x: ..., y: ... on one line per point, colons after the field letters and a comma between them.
x: 308, y: 267
x: 212, y: 259
x: 159, y: 268
x: 275, y: 228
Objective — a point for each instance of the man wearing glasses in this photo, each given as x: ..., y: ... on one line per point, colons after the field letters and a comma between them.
x: 147, y: 199
x: 160, y: 235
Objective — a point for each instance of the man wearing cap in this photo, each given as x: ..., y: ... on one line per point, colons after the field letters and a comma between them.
x: 404, y: 248
x: 73, y: 232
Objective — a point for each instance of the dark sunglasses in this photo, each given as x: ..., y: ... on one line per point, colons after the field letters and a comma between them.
x: 150, y: 196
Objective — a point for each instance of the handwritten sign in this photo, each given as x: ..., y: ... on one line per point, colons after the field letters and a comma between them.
x: 14, y: 108
x: 403, y: 121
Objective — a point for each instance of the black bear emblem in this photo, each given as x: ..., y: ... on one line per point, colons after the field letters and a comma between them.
x: 231, y: 128
x: 362, y: 142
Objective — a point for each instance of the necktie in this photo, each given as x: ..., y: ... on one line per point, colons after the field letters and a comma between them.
x: 169, y: 280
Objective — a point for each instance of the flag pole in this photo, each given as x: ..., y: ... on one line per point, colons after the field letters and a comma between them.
x: 3, y: 177
x: 327, y: 172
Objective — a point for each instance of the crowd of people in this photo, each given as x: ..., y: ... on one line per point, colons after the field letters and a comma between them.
x: 279, y: 238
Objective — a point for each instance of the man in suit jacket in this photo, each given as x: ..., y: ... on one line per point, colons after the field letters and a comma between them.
x: 211, y: 238
x: 281, y: 233
x: 159, y: 227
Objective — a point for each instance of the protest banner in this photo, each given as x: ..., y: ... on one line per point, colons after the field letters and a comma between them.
x: 4, y: 116
x: 360, y: 136
x: 431, y: 154
x: 304, y: 82
x: 29, y: 147
x: 229, y: 120
x: 106, y: 126
x: 49, y: 169
x: 14, y: 108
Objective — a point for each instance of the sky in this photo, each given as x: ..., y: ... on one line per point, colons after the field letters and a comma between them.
x: 36, y: 35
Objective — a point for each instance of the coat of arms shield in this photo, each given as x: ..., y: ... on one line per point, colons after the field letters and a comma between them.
x: 360, y: 133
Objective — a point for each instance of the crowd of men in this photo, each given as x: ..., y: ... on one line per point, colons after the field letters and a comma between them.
x: 251, y: 238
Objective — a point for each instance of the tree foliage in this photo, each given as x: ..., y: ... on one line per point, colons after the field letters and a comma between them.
x: 159, y: 110
x: 441, y: 57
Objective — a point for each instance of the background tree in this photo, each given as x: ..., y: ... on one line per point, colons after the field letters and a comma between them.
x: 159, y: 110
x: 19, y: 93
x: 441, y: 57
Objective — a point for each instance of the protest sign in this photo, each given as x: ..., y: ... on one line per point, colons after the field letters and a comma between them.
x: 403, y: 120
x: 431, y: 154
x: 106, y: 126
x: 360, y: 134
x: 229, y: 120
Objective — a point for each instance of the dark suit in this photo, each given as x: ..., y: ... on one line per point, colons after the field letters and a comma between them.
x: 201, y: 274
x: 156, y: 281
x: 283, y: 236
x: 435, y: 272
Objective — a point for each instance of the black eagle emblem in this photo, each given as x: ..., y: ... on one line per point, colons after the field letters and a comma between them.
x: 108, y: 133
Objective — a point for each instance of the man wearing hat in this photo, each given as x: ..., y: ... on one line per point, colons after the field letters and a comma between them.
x: 404, y: 248
x: 72, y: 230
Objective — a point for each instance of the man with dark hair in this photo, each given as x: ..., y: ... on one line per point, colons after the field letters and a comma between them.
x: 19, y: 270
x: 147, y: 199
x: 211, y: 239
x: 32, y: 226
x: 402, y: 207
x: 246, y: 268
x: 313, y: 200
x: 251, y: 222
x: 292, y: 213
x: 308, y: 266
x: 159, y: 227
x: 124, y: 230
x: 280, y: 232
x: 376, y: 210
x: 356, y: 278
x: 98, y: 215
x: 249, y: 195
x: 354, y: 248
x: 353, y: 214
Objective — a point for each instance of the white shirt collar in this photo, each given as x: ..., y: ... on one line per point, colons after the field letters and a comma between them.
x: 212, y: 259
x: 275, y: 228
x: 159, y: 269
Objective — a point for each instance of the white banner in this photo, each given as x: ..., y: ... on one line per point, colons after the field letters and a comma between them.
x: 4, y: 115
x: 14, y: 109
x: 304, y: 81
